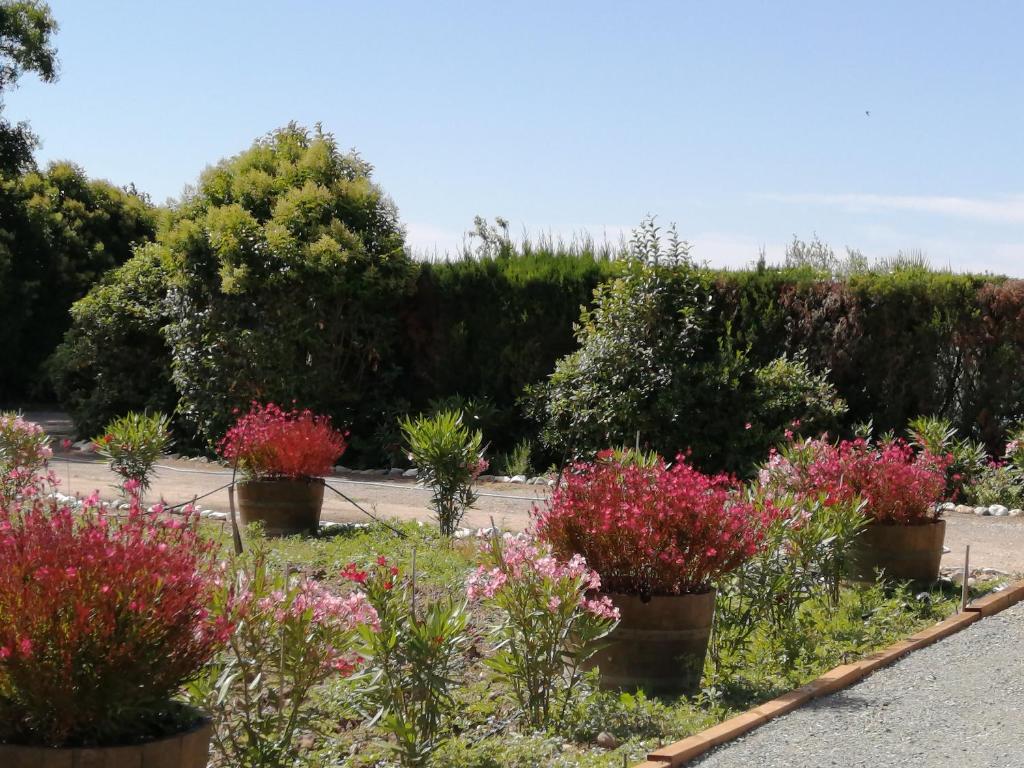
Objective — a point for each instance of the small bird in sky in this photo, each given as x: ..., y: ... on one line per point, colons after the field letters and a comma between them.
x: 867, y: 112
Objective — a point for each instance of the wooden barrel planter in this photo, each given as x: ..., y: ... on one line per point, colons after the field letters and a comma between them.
x: 283, y: 507
x: 659, y: 644
x: 190, y: 749
x: 901, y: 552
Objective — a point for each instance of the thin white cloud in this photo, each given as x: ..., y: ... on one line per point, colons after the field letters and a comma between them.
x: 1007, y: 209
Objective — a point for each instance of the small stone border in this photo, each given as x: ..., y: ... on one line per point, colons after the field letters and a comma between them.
x: 843, y: 676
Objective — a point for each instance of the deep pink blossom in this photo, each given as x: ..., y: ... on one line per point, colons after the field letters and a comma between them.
x: 652, y: 529
x: 271, y: 442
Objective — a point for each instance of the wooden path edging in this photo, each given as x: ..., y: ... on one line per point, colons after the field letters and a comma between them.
x: 843, y: 676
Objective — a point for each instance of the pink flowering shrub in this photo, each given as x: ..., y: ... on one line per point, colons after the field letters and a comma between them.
x: 897, y: 484
x: 289, y: 636
x: 24, y: 453
x: 550, y: 621
x: 652, y: 529
x: 269, y: 443
x: 101, y: 620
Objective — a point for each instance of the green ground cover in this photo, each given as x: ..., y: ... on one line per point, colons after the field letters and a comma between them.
x: 484, y: 729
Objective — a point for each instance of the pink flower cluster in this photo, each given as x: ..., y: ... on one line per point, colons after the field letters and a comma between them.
x: 343, y: 613
x: 525, y: 559
x: 270, y: 442
x: 320, y: 618
x: 652, y: 530
x: 24, y: 453
x: 100, y: 614
x: 896, y: 484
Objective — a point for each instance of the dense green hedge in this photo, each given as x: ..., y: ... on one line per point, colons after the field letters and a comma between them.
x: 895, y: 344
x: 480, y: 331
x: 484, y: 329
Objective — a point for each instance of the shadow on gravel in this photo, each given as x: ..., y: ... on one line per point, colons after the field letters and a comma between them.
x: 847, y: 702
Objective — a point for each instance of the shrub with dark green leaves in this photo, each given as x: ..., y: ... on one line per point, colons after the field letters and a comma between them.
x: 114, y: 358
x: 653, y: 360
x: 60, y: 231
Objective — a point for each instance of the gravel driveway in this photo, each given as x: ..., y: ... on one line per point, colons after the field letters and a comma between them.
x: 958, y: 703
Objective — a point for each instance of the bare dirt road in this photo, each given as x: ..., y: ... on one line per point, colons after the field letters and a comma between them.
x: 178, y: 481
x: 996, y: 542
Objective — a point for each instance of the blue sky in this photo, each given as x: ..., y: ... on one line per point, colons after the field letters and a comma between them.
x: 743, y: 122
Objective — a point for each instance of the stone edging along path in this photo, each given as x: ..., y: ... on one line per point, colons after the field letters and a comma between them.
x: 845, y: 675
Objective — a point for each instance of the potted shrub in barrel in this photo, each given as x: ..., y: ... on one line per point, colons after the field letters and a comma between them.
x: 659, y: 536
x: 283, y: 456
x: 899, y: 487
x: 102, y: 620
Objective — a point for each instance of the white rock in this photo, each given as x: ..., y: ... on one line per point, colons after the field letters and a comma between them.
x: 1016, y: 512
x: 963, y: 509
x: 396, y: 472
x: 463, y: 533
x: 981, y: 511
x: 949, y: 506
x: 517, y: 479
x: 218, y: 516
x: 340, y: 469
x: 410, y: 472
x: 998, y: 510
x: 502, y: 479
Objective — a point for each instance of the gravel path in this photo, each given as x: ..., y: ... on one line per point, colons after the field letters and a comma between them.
x: 956, y: 703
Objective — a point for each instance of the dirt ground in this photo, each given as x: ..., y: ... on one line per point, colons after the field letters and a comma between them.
x: 996, y: 542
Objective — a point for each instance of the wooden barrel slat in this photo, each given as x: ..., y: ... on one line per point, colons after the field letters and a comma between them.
x: 659, y: 645
x: 185, y: 750
x: 901, y: 552
x: 283, y: 507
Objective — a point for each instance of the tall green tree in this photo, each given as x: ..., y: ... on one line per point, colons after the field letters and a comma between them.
x: 288, y: 269
x: 279, y: 277
x: 59, y: 233
x: 26, y: 31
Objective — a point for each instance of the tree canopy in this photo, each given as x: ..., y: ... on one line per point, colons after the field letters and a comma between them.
x: 26, y: 31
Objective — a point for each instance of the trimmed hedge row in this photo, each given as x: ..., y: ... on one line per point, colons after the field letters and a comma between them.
x: 896, y: 345
x: 478, y: 332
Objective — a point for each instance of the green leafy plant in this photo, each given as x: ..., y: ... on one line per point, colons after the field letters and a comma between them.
x: 548, y: 626
x: 803, y: 558
x: 1000, y: 483
x: 114, y: 358
x: 449, y: 457
x: 288, y: 637
x: 132, y: 444
x: 414, y: 654
x: 938, y: 436
x: 516, y: 461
